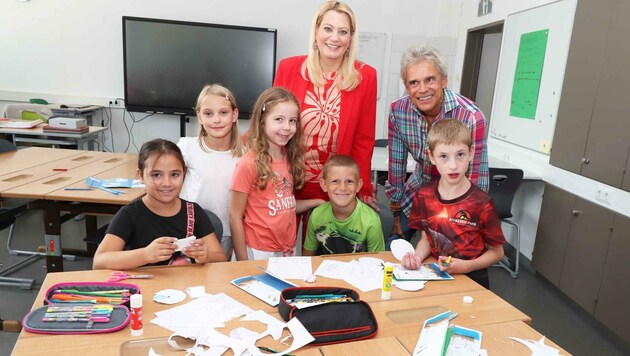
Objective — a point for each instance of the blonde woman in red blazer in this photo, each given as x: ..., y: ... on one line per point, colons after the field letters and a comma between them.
x: 337, y: 95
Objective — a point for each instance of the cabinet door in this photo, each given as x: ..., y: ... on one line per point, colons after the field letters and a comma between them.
x: 609, y: 134
x: 612, y: 303
x: 588, y: 42
x: 587, y: 245
x: 553, y: 232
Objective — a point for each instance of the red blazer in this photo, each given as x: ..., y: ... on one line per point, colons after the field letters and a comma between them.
x: 357, y: 119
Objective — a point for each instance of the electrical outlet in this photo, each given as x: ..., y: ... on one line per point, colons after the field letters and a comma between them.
x: 604, y: 194
x: 117, y: 103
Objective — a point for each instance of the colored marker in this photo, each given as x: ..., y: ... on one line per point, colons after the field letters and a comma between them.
x: 60, y: 169
x: 447, y: 262
x: 71, y: 188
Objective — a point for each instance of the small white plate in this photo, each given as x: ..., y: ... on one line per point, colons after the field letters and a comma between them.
x: 400, y: 247
x: 410, y: 286
x: 169, y: 296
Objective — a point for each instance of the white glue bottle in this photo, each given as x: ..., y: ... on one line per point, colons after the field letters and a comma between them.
x: 388, y: 273
x: 136, y: 314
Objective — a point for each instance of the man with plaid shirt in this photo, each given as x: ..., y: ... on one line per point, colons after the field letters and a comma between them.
x: 425, y: 76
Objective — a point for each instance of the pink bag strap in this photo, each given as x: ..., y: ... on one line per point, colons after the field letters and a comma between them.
x: 190, y: 210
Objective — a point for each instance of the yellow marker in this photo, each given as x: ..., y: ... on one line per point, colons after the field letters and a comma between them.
x: 447, y: 262
x: 388, y: 273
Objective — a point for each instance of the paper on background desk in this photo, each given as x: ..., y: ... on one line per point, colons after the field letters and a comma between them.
x: 26, y: 124
x: 291, y: 267
x: 114, y: 182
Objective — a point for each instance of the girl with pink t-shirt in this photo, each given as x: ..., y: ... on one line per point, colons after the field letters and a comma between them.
x: 262, y: 206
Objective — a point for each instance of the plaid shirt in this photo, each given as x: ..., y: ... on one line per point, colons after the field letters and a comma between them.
x: 408, y: 131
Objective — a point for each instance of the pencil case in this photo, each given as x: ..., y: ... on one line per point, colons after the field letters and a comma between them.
x: 330, y: 322
x: 33, y: 321
x: 91, y: 287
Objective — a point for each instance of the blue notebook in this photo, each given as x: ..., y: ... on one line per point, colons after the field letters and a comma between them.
x: 264, y: 286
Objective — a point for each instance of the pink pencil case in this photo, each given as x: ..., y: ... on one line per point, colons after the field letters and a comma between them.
x: 91, y: 287
x: 33, y: 322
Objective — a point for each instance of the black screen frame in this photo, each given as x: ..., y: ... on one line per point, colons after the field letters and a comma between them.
x: 244, y: 106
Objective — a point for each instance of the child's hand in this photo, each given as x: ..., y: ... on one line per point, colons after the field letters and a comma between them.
x: 452, y: 265
x: 197, y: 250
x: 411, y: 261
x: 160, y: 249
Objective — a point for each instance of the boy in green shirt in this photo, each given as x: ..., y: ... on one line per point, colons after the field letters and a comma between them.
x: 344, y: 224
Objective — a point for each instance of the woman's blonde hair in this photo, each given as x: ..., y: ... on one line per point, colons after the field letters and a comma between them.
x: 236, y: 145
x: 348, y: 76
x: 258, y: 141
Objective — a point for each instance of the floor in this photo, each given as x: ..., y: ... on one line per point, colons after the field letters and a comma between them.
x: 553, y: 314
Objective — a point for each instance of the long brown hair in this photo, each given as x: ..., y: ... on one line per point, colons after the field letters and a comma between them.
x: 258, y: 142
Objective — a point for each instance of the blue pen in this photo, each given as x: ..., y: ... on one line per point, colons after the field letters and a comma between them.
x: 71, y: 188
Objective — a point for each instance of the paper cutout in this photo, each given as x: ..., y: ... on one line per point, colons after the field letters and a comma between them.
x: 185, y: 243
x: 538, y: 348
x: 410, y: 286
x: 400, y: 247
x: 169, y: 296
x: 196, y: 292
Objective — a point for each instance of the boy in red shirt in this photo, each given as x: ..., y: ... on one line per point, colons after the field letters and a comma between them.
x: 459, y: 224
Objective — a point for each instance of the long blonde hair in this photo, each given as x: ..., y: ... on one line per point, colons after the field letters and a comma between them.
x: 236, y: 145
x: 258, y: 142
x: 348, y: 76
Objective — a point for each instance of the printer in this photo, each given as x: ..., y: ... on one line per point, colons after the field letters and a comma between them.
x: 71, y: 123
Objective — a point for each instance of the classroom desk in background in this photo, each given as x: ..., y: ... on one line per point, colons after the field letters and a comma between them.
x: 45, y: 184
x: 38, y: 136
x: 401, y: 316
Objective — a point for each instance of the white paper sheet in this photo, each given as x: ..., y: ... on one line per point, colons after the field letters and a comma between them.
x: 291, y: 267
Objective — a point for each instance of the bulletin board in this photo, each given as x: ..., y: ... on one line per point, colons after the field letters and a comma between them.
x: 533, y: 58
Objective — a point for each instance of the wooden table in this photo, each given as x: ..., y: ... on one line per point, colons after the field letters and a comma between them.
x: 42, y: 174
x: 488, y: 313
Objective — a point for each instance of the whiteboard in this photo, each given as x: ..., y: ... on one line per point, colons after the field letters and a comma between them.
x: 536, y: 134
x: 372, y: 52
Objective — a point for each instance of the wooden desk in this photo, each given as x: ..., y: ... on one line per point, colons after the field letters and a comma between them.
x: 46, y: 186
x: 486, y: 309
x: 37, y: 135
x: 496, y: 338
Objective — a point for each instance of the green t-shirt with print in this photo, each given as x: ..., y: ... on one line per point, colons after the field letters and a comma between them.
x: 361, y: 232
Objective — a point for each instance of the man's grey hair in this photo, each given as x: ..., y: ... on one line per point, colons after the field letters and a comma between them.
x: 415, y: 55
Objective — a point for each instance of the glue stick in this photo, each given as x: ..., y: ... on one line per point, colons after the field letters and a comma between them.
x: 388, y: 272
x: 136, y: 315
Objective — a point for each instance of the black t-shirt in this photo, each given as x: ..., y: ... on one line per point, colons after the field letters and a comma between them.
x: 139, y: 226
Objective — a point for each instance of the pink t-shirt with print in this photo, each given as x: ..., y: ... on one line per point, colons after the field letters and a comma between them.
x: 269, y: 220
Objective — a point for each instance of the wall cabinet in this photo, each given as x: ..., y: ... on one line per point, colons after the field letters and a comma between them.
x: 582, y: 248
x: 592, y: 134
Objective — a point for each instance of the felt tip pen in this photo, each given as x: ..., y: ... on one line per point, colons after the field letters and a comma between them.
x: 447, y: 262
x: 60, y: 169
x: 95, y: 319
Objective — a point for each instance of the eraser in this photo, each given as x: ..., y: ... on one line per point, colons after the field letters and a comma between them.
x: 468, y: 299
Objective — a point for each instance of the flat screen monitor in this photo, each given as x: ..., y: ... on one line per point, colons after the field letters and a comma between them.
x: 167, y: 63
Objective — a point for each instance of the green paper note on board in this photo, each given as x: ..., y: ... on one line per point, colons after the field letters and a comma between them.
x: 529, y: 67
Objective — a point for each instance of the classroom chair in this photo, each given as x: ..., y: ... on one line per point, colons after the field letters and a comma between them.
x: 9, y: 211
x: 387, y: 219
x: 216, y: 223
x: 379, y: 177
x: 27, y: 112
x: 503, y: 185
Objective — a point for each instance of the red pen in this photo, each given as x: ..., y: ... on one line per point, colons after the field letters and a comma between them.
x: 60, y: 169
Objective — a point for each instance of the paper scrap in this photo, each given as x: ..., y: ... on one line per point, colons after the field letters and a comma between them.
x: 196, y: 291
x: 185, y: 243
x: 538, y: 348
x: 169, y: 296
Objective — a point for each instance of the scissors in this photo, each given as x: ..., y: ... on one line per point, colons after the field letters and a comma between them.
x: 119, y: 276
